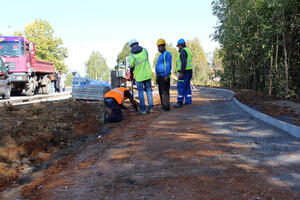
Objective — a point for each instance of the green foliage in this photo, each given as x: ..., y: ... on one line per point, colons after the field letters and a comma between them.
x: 201, y: 70
x: 96, y: 67
x: 260, y: 45
x: 18, y: 33
x: 69, y: 78
x: 124, y: 53
x: 48, y: 47
x: 217, y: 68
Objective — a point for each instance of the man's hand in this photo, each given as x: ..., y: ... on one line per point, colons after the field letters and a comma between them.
x: 166, y: 79
x: 181, y: 75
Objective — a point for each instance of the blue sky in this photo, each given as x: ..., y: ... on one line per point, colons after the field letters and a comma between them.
x: 105, y: 26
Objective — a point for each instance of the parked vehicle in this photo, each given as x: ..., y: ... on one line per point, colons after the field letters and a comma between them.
x: 25, y: 73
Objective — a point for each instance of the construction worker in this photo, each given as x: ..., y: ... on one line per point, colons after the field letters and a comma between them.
x: 114, y: 99
x: 141, y: 69
x: 163, y: 72
x: 185, y: 70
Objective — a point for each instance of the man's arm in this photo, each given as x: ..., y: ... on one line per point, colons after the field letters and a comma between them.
x: 168, y: 64
x: 128, y: 95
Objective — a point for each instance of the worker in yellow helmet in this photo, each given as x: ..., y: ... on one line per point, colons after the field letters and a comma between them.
x: 163, y: 72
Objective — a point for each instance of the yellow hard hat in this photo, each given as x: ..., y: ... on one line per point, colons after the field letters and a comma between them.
x: 160, y: 41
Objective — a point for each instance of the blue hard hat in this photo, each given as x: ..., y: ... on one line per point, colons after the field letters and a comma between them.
x: 132, y: 42
x: 180, y: 41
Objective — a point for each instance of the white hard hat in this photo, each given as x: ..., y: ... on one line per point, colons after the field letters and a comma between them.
x: 132, y: 42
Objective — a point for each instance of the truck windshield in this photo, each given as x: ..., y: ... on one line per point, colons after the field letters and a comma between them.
x: 11, y: 48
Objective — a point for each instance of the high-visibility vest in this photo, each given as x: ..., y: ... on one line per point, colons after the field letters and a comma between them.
x: 140, y: 62
x: 117, y: 94
x: 189, y: 64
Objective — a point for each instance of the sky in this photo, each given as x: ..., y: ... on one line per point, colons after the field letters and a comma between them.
x: 105, y: 26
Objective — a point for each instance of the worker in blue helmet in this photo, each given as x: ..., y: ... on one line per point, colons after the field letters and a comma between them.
x: 185, y: 69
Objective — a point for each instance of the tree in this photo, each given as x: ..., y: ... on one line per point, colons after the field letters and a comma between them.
x: 201, y: 70
x: 124, y: 53
x: 96, y: 67
x: 18, y: 33
x: 217, y: 68
x: 260, y: 45
x: 69, y: 78
x: 48, y: 47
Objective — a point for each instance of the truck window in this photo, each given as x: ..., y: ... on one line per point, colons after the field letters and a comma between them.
x: 11, y: 48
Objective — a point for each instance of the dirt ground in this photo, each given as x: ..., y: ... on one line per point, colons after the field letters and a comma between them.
x: 159, y: 156
x: 35, y: 137
x: 288, y: 111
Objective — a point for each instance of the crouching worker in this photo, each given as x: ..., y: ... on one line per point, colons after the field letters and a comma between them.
x: 114, y: 99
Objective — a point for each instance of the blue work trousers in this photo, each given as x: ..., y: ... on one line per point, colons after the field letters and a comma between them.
x: 145, y: 85
x: 184, y: 88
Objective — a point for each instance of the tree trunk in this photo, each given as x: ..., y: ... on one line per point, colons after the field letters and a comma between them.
x: 285, y: 64
x: 271, y: 71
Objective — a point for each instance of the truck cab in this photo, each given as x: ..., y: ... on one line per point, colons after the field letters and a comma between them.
x: 25, y: 73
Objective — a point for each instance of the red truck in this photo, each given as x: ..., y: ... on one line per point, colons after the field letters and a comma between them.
x: 25, y: 73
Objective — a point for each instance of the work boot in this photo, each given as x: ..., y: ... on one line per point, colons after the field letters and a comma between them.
x: 164, y: 109
x: 178, y: 105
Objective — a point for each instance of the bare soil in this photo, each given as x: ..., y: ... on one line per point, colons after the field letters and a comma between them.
x: 34, y: 137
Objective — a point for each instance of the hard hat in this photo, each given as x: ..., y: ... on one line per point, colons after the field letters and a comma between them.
x: 132, y: 42
x: 160, y: 41
x: 181, y: 41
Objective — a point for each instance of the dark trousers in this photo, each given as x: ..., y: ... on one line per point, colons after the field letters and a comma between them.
x: 116, y: 109
x: 164, y: 92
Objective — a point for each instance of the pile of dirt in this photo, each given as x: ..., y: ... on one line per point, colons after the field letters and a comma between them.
x: 31, y: 134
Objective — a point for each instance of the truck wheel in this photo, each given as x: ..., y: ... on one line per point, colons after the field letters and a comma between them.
x: 47, y: 88
x: 30, y: 88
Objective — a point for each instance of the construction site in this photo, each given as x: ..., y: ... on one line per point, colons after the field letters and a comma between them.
x: 213, y: 149
x: 156, y: 100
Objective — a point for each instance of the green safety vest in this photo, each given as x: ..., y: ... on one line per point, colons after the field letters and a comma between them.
x: 189, y: 64
x: 142, y: 69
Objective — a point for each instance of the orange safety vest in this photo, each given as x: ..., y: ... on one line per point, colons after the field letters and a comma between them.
x: 117, y: 94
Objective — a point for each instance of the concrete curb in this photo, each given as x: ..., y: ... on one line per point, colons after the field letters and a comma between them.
x: 289, y: 128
